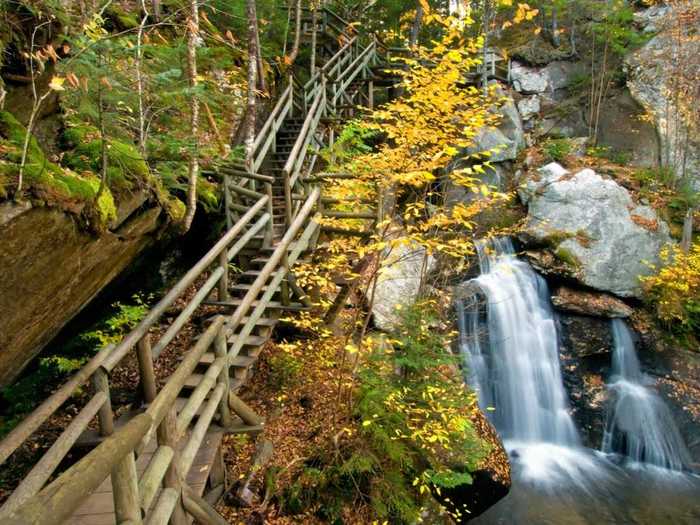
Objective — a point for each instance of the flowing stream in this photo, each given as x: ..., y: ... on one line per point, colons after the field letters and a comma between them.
x: 509, y: 340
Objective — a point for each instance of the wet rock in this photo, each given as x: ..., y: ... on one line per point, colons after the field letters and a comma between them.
x: 586, y: 347
x: 581, y: 302
x: 591, y: 224
x: 491, y: 480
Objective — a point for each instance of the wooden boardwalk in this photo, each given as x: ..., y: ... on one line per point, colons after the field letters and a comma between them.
x: 98, y: 508
x: 271, y: 208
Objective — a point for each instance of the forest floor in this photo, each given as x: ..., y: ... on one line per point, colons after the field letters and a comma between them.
x: 305, y: 395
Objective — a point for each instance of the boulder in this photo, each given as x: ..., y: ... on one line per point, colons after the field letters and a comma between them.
x: 649, y: 79
x: 553, y: 77
x: 51, y: 269
x: 528, y: 80
x: 398, y: 283
x: 529, y: 107
x: 651, y: 20
x: 582, y: 302
x: 591, y: 224
x: 507, y: 139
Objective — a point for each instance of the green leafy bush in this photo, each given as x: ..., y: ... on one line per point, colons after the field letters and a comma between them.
x: 415, y: 433
x: 557, y: 150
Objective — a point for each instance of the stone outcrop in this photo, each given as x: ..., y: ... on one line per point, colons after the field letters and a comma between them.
x: 554, y: 76
x: 398, y: 283
x: 592, y: 225
x: 51, y: 269
x: 506, y: 140
x: 581, y: 302
x: 650, y: 73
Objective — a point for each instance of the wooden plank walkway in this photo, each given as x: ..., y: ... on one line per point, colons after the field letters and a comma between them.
x: 98, y: 508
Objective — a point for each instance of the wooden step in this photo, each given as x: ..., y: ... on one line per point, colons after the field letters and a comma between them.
x: 195, y: 379
x: 240, y: 361
x: 272, y: 305
x: 251, y: 340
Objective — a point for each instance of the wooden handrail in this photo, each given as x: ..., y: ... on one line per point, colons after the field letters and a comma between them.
x: 56, y: 502
x: 109, y: 357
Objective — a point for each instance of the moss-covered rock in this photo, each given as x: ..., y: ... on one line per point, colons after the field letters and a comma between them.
x: 46, y: 180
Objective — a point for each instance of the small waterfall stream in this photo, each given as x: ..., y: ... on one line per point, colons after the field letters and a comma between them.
x: 509, y: 341
x: 640, y: 425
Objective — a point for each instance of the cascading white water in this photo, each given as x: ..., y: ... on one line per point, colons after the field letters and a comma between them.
x: 639, y: 424
x: 510, y: 346
x: 516, y: 369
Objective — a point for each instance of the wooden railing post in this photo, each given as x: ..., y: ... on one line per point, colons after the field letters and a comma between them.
x: 167, y: 436
x: 147, y: 374
x: 270, y: 228
x: 100, y: 382
x: 221, y: 350
x: 125, y: 490
x: 223, y: 281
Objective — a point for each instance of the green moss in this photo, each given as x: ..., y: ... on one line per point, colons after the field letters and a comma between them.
x: 121, y: 18
x: 566, y: 256
x: 125, y: 163
x: 53, y: 183
x: 556, y: 237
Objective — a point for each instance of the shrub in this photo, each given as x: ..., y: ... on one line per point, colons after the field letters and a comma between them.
x: 414, y: 432
x: 674, y: 289
x: 557, y: 150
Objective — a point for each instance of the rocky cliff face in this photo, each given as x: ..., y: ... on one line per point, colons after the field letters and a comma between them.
x: 51, y: 269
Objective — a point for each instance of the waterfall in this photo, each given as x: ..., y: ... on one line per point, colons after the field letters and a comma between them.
x: 639, y: 424
x: 514, y: 367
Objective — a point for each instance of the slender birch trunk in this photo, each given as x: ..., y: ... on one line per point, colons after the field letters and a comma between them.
x: 193, y: 172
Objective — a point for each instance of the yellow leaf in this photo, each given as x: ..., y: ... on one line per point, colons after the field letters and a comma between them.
x: 56, y: 83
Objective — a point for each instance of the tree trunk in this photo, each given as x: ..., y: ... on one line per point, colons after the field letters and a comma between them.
x: 262, y: 84
x: 140, y: 80
x: 417, y: 25
x: 687, y: 238
x: 252, y: 78
x: 192, y: 37
x: 297, y: 36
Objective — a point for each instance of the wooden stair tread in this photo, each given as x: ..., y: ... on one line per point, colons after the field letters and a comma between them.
x: 273, y: 305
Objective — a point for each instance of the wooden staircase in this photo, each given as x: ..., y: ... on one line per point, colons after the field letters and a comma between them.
x: 161, y: 462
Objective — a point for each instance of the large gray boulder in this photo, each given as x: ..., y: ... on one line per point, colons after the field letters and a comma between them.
x: 506, y: 140
x: 554, y: 76
x: 398, y: 283
x: 592, y: 224
x: 650, y: 73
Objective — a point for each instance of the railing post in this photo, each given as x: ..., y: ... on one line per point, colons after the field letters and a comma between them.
x: 100, y: 383
x: 167, y: 436
x: 270, y: 228
x: 221, y: 350
x: 284, y: 285
x: 146, y: 372
x: 223, y: 281
x: 126, y: 491
x: 227, y: 202
x: 287, y: 198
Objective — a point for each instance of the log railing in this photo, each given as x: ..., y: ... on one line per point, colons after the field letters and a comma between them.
x: 160, y: 494
x: 215, y: 264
